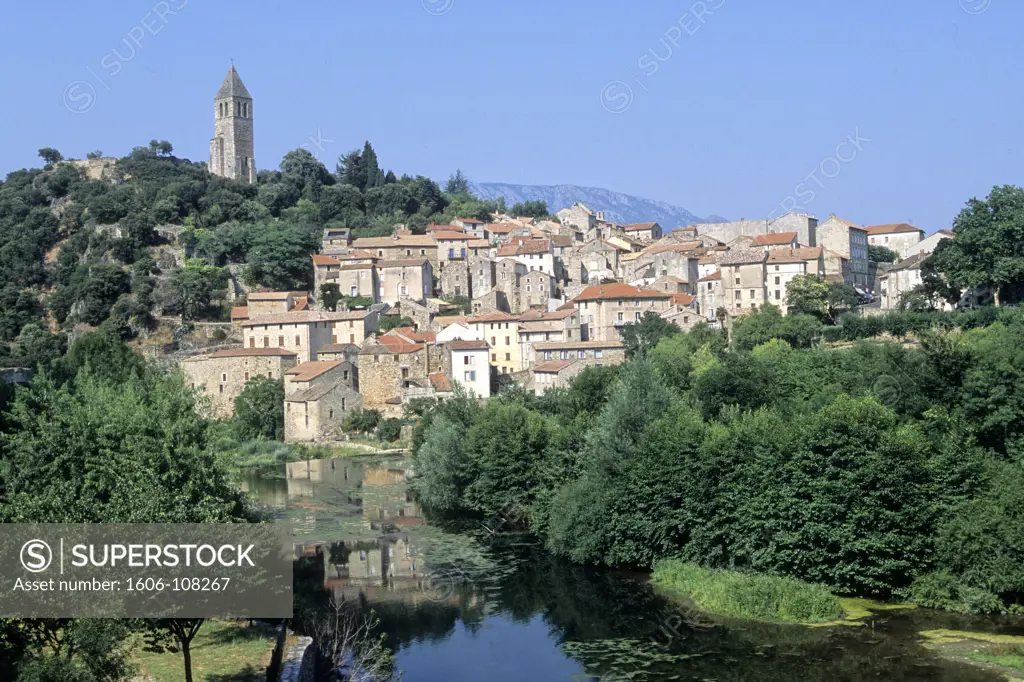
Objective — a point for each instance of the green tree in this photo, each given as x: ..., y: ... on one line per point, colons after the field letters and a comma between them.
x: 50, y: 156
x: 985, y: 252
x: 808, y: 295
x: 530, y: 209
x: 190, y: 291
x: 37, y: 347
x: 389, y: 322
x: 259, y: 410
x: 640, y: 337
x: 161, y: 147
x: 458, y: 184
x: 330, y: 296
x: 882, y: 254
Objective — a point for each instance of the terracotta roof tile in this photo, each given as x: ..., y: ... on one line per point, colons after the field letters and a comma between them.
x: 440, y: 382
x: 892, y: 228
x: 468, y: 345
x: 601, y: 292
x: 777, y: 239
x: 319, y: 259
x: 638, y: 227
x: 240, y: 312
x: 794, y: 255
x: 311, y: 370
x: 551, y: 366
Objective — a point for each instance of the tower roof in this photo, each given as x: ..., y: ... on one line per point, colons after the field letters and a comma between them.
x: 232, y: 86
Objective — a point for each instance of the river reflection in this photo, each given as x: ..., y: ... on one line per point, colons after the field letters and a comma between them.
x: 480, y: 605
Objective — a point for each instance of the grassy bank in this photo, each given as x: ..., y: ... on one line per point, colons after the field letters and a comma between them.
x: 259, y: 453
x: 1002, y: 653
x: 746, y: 595
x: 223, y: 650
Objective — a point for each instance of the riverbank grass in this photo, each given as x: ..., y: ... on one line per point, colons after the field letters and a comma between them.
x: 766, y: 598
x: 223, y: 650
x: 1004, y: 653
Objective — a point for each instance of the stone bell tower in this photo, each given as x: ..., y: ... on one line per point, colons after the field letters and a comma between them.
x: 231, y: 149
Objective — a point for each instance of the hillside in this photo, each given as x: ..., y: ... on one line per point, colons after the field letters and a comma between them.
x: 618, y: 207
x: 127, y: 243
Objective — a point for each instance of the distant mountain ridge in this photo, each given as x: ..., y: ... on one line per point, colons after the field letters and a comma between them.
x: 619, y: 208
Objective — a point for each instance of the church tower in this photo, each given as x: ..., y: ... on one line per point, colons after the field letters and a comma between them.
x: 231, y: 149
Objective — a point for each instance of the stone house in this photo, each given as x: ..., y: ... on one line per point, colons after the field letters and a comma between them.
x: 358, y: 280
x: 399, y: 247
x: 494, y: 300
x: 684, y: 311
x: 325, y: 271
x: 501, y: 331
x: 271, y: 302
x: 775, y: 240
x: 348, y: 355
x: 306, y: 332
x: 535, y: 290
x: 469, y: 365
x: 411, y: 278
x: 899, y: 237
x: 709, y: 295
x: 579, y: 216
x: 481, y: 274
x: 336, y: 238
x: 535, y: 254
x: 221, y: 376
x: 452, y: 246
x: 455, y: 279
x: 666, y: 260
x: 606, y: 308
x: 554, y: 374
x: 456, y: 331
x: 317, y: 399
x: 499, y: 233
x: 387, y: 369
x: 597, y: 353
x: 536, y: 326
x: 784, y: 264
x: 646, y: 232
x: 599, y: 260
x: 508, y: 273
x: 471, y: 226
x: 837, y: 268
x: 850, y: 241
x: 805, y: 226
x: 901, y: 278
x: 743, y: 283
x: 669, y: 284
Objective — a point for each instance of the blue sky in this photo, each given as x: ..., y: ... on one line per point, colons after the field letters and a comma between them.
x: 734, y: 107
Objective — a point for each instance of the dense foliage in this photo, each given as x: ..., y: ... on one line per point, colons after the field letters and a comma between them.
x: 160, y: 236
x: 101, y: 436
x: 874, y: 469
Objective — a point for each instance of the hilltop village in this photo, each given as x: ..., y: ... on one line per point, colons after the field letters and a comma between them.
x: 519, y: 300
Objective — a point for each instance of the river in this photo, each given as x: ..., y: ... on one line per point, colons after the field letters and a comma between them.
x: 484, y: 604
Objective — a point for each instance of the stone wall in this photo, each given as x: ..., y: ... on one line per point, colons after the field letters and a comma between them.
x: 222, y: 379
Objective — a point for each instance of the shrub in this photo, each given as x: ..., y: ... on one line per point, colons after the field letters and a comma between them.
x: 389, y: 430
x: 746, y: 595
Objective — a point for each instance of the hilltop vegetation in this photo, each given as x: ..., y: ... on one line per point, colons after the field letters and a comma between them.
x: 75, y: 250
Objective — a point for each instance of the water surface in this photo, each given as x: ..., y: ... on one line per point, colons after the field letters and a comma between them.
x: 483, y: 604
